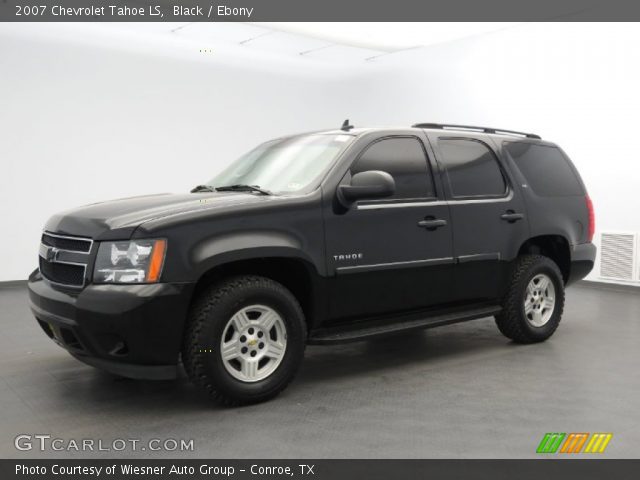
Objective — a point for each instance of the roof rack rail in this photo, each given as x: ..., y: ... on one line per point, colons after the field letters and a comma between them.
x: 443, y: 126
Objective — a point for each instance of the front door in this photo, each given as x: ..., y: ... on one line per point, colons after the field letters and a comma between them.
x: 396, y: 254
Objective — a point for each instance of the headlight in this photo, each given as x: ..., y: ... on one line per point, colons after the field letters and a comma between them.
x: 135, y: 261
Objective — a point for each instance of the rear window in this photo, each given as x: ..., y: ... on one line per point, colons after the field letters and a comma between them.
x: 546, y: 169
x: 472, y: 169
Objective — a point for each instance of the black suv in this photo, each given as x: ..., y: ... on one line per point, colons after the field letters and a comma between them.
x: 318, y: 238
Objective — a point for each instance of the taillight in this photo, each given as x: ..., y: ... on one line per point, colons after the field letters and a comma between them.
x: 592, y: 219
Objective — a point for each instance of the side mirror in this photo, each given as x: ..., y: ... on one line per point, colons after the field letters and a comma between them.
x: 367, y: 186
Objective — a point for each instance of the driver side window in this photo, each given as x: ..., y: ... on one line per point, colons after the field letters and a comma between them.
x: 405, y: 160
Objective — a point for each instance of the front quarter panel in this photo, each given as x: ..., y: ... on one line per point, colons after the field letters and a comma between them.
x: 286, y: 227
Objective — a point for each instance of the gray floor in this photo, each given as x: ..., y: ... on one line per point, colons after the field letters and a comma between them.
x: 458, y: 391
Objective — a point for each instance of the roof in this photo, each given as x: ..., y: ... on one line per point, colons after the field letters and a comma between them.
x: 435, y: 127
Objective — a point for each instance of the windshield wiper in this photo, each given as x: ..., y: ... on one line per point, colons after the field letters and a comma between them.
x: 243, y: 188
x: 202, y: 188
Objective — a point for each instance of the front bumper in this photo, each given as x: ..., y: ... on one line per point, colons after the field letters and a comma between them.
x: 130, y: 330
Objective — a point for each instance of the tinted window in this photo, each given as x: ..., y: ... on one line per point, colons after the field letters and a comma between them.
x: 546, y: 169
x: 472, y: 169
x: 405, y: 160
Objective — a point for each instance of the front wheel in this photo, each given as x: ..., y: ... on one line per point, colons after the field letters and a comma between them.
x: 533, y: 305
x: 245, y: 340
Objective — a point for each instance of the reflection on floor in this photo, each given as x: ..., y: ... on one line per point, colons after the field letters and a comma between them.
x: 457, y: 391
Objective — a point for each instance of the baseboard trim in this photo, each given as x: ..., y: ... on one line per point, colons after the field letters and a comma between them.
x: 13, y: 284
x: 608, y: 286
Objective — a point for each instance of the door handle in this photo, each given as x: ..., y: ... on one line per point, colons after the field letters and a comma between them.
x: 511, y: 216
x: 432, y: 223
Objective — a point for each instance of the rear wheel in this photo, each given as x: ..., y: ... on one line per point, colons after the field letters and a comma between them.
x: 245, y: 340
x: 533, y: 305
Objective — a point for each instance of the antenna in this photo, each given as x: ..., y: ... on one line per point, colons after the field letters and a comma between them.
x: 345, y: 126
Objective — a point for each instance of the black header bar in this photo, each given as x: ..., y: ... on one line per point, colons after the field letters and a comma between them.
x: 547, y: 469
x: 317, y: 10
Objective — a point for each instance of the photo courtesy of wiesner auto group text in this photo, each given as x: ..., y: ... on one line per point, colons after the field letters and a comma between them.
x: 338, y: 239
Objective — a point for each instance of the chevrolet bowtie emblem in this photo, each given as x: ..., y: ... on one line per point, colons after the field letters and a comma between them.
x: 52, y: 254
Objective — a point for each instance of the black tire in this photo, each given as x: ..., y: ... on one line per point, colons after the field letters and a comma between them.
x: 206, y: 323
x: 512, y: 321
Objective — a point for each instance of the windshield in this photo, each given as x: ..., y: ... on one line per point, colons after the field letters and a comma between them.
x: 286, y: 165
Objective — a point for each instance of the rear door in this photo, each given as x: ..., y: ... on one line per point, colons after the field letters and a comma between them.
x: 487, y: 212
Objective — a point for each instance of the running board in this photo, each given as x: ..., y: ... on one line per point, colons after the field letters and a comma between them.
x: 366, y: 330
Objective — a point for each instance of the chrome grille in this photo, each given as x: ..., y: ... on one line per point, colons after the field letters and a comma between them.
x: 64, y: 259
x: 66, y: 243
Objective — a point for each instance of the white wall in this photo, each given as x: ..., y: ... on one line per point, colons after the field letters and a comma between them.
x: 576, y: 84
x: 86, y: 117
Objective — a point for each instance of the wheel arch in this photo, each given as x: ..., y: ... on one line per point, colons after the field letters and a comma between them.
x: 295, y: 273
x: 555, y: 247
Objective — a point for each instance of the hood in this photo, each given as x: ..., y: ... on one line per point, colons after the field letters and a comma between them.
x: 117, y: 219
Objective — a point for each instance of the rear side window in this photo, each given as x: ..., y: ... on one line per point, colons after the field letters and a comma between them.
x: 471, y: 168
x: 405, y: 160
x: 546, y: 169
